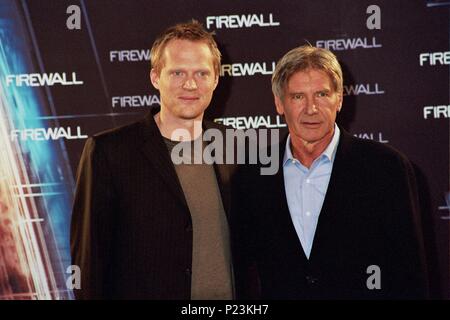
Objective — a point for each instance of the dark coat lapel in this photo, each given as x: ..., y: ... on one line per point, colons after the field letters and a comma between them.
x: 282, y: 214
x: 334, y: 197
x: 155, y: 150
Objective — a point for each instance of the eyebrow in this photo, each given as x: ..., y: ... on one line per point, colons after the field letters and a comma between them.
x: 175, y: 69
x: 301, y: 92
x: 185, y: 70
x: 204, y: 70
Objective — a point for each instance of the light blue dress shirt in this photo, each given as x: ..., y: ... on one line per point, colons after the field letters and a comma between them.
x: 306, y: 189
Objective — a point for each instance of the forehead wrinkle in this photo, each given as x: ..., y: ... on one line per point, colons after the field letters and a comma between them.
x: 309, y: 82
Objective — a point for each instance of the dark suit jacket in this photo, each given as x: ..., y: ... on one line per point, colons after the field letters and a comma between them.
x: 369, y: 217
x: 131, y: 230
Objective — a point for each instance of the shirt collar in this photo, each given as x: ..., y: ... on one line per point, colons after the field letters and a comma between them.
x: 329, y: 152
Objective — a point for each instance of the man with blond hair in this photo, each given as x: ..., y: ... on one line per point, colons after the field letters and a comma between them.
x: 142, y: 227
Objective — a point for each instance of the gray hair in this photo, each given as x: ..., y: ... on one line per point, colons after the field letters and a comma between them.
x: 303, y: 58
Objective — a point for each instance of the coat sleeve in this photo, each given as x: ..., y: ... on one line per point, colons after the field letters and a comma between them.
x: 407, y: 276
x: 91, y: 235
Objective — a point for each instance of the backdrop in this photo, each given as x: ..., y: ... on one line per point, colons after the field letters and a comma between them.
x: 69, y: 72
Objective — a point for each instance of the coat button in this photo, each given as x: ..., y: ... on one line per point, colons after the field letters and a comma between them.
x: 188, y: 272
x: 188, y: 228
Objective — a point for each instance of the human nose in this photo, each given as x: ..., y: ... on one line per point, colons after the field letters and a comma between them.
x: 190, y: 84
x: 311, y: 106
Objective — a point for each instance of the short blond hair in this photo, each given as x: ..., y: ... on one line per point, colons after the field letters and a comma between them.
x: 193, y: 31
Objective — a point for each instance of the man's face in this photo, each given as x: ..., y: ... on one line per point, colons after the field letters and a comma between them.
x: 310, y: 105
x: 187, y: 79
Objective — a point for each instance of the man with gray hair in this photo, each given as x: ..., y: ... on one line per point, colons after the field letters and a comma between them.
x: 340, y: 220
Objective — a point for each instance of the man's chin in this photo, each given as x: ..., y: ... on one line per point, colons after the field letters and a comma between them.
x: 191, y: 115
x: 188, y: 112
x: 314, y: 138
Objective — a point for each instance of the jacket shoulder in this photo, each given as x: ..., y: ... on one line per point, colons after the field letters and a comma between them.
x: 124, y: 135
x: 376, y: 152
x: 214, y: 125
